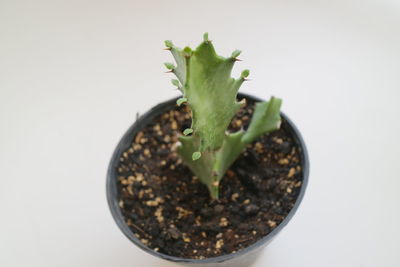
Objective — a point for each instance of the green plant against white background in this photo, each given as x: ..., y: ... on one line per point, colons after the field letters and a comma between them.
x: 204, y: 78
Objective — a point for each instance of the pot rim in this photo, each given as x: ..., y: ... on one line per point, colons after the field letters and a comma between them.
x: 113, y: 203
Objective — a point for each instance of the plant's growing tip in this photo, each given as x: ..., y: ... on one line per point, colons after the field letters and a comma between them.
x: 204, y: 78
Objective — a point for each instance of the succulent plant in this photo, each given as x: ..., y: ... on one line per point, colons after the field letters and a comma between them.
x: 204, y: 78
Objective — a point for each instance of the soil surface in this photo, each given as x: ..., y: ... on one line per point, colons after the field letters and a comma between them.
x: 170, y: 211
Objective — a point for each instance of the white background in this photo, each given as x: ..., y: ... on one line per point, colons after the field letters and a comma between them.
x: 74, y: 73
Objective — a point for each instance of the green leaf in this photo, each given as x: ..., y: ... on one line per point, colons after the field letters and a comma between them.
x: 187, y: 131
x: 196, y: 155
x: 175, y: 82
x: 169, y: 66
x: 168, y: 43
x: 180, y: 101
x: 266, y: 118
x: 236, y: 53
x: 245, y: 73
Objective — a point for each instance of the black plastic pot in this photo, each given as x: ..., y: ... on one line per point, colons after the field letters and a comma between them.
x: 241, y: 258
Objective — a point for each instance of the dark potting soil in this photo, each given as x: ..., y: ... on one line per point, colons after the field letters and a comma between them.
x: 170, y: 211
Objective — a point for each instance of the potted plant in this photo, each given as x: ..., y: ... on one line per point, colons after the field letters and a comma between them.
x: 205, y: 178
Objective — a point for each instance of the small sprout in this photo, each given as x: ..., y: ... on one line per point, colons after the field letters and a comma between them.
x: 196, y: 155
x: 169, y: 66
x: 168, y: 43
x: 175, y: 82
x: 187, y: 131
x: 245, y: 74
x: 181, y: 100
x: 205, y: 37
x: 236, y: 53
